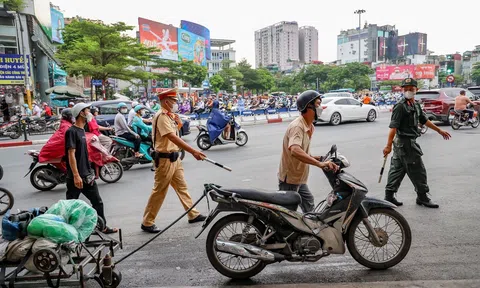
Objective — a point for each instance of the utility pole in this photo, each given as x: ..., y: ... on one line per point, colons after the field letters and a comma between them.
x: 359, y: 12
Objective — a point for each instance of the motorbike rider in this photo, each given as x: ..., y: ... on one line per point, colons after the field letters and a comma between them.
x: 407, y: 154
x: 461, y: 103
x: 155, y: 106
x: 122, y: 129
x: 131, y: 113
x: 37, y: 111
x: 218, y: 122
x: 96, y: 129
x: 144, y: 130
x: 296, y: 158
x: 47, y: 110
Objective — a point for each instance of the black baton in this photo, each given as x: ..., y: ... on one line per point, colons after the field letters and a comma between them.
x: 218, y: 164
x: 383, y: 168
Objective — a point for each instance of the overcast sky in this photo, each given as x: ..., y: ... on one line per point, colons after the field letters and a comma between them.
x: 450, y: 28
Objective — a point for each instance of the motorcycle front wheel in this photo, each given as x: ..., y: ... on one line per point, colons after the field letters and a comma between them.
x: 393, y: 231
x: 242, y: 139
x: 203, y: 142
x: 42, y: 184
x: 18, y: 133
x: 476, y: 123
x: 111, y: 172
x: 231, y: 228
x: 6, y: 200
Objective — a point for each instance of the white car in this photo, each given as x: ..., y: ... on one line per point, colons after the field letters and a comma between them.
x: 337, y: 95
x: 341, y: 109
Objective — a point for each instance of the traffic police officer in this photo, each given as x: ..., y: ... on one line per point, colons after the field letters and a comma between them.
x: 407, y: 154
x: 169, y: 169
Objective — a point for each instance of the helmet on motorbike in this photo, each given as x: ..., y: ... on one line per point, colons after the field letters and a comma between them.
x: 306, y: 98
x: 93, y: 109
x: 138, y: 108
x: 67, y: 114
x: 121, y: 105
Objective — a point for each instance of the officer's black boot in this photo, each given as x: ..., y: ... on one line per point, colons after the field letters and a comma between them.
x: 423, y: 200
x: 389, y: 196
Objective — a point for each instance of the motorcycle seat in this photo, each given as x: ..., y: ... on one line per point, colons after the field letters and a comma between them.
x: 282, y: 198
x: 119, y: 138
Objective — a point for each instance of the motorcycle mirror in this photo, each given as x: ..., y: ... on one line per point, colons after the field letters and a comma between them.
x: 333, y: 149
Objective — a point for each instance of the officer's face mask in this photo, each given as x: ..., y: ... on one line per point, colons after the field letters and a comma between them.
x: 409, y: 95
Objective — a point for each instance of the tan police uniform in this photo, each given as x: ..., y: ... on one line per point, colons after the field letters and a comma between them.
x: 166, y: 173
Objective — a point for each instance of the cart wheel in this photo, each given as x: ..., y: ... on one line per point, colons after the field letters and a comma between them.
x: 46, y: 260
x: 116, y: 279
x: 99, y: 281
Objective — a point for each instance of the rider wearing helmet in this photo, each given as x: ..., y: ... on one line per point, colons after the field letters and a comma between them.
x: 28, y: 111
x: 67, y: 115
x: 122, y: 129
x: 138, y: 124
x: 96, y: 129
x: 296, y: 158
x: 132, y: 113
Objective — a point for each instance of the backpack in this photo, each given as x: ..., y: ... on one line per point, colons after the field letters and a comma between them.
x: 14, y: 226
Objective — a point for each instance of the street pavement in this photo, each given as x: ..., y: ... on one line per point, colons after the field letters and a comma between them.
x: 446, y: 242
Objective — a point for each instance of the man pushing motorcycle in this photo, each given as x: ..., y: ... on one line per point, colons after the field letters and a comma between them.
x: 296, y: 158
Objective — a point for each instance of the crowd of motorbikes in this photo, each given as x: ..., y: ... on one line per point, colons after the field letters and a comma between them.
x: 15, y: 127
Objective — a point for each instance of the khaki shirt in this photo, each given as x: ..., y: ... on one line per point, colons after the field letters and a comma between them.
x: 166, y: 125
x: 292, y: 170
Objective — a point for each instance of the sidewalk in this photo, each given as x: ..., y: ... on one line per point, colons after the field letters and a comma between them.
x: 473, y: 283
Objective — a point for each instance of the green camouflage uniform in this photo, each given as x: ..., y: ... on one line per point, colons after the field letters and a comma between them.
x: 407, y: 154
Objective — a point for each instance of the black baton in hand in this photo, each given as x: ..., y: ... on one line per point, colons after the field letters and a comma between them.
x: 218, y: 164
x: 383, y: 168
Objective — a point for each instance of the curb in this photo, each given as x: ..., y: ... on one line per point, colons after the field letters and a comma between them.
x: 23, y: 143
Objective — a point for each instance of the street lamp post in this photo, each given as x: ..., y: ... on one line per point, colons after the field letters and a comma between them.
x: 359, y: 12
x: 16, y: 16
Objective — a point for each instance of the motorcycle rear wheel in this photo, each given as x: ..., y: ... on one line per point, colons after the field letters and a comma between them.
x: 17, y: 134
x: 47, y: 186
x: 6, y: 200
x: 454, y: 124
x: 213, y: 254
x: 397, y: 257
x: 111, y: 172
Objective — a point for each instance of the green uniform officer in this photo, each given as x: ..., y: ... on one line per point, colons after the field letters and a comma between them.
x: 407, y: 154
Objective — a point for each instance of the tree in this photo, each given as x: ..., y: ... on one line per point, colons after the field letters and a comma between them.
x: 459, y: 79
x: 216, y: 82
x: 231, y: 76
x: 103, y: 51
x: 188, y: 71
x: 14, y: 5
x: 391, y: 83
x: 476, y: 73
x: 266, y: 79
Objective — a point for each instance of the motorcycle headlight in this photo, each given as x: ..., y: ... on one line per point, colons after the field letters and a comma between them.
x: 344, y: 161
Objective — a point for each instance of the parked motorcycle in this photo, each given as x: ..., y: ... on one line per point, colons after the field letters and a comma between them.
x: 237, y: 134
x: 6, y: 197
x: 122, y: 149
x: 459, y: 119
x: 53, y: 123
x: 11, y: 129
x: 53, y: 172
x: 36, y: 124
x: 264, y: 227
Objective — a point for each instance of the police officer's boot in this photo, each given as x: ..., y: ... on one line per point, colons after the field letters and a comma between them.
x: 390, y: 197
x: 423, y: 200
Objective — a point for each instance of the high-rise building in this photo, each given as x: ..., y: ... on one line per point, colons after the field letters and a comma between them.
x: 223, y: 55
x: 369, y: 42
x: 308, y: 44
x: 277, y: 44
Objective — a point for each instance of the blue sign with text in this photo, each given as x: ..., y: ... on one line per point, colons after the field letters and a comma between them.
x: 12, y: 69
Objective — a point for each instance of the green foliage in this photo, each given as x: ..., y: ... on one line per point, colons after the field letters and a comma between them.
x: 103, y: 51
x: 476, y: 73
x: 459, y: 79
x: 185, y: 70
x: 216, y: 82
x: 391, y: 83
x: 14, y: 5
x: 230, y: 76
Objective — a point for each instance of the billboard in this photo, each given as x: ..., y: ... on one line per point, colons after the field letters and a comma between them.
x: 58, y: 24
x: 191, y: 47
x: 200, y: 31
x: 416, y: 44
x: 161, y: 36
x: 382, y: 48
x: 42, y: 12
x: 384, y: 72
x: 12, y: 70
x: 424, y: 71
x: 401, y: 46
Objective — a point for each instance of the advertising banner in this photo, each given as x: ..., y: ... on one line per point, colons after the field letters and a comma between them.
x: 42, y: 12
x: 12, y: 69
x: 200, y: 31
x: 191, y: 47
x: 384, y: 72
x: 382, y: 48
x: 422, y: 44
x: 424, y: 71
x: 401, y: 46
x: 161, y: 36
x: 58, y: 24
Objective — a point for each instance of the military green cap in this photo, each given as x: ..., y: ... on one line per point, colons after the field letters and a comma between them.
x: 409, y: 82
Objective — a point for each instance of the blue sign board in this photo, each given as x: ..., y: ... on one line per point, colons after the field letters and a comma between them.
x: 58, y: 24
x: 96, y: 82
x: 191, y: 47
x: 12, y: 69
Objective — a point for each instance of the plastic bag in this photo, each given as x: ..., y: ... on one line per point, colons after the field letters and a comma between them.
x: 54, y: 228
x: 78, y: 214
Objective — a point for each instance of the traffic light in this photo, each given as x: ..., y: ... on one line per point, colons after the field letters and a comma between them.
x: 450, y: 67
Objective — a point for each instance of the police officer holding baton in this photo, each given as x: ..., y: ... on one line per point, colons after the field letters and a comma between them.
x: 407, y: 154
x: 168, y: 166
